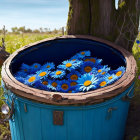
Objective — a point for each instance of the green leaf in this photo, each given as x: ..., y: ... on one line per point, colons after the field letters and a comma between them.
x: 121, y: 4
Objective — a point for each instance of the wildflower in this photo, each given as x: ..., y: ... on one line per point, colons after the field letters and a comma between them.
x: 57, y: 74
x: 48, y: 66
x: 87, y: 82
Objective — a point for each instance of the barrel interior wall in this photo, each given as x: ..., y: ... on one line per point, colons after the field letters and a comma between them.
x: 59, y: 50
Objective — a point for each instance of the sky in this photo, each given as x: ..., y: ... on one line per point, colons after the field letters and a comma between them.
x: 33, y: 13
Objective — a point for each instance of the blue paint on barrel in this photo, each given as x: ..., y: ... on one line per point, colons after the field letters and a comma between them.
x: 93, y: 122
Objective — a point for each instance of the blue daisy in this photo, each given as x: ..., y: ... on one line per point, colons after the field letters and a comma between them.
x: 64, y: 86
x: 41, y: 84
x: 74, y: 75
x: 94, y: 60
x: 69, y: 65
x: 83, y: 54
x: 42, y: 73
x: 103, y: 82
x: 72, y: 90
x: 31, y: 80
x: 25, y: 68
x: 73, y: 83
x: 111, y: 78
x: 102, y: 70
x: 48, y: 66
x: 53, y: 85
x: 58, y: 74
x: 21, y: 74
x: 119, y: 72
x: 87, y: 67
x: 87, y: 82
x: 20, y: 79
x: 35, y: 67
x: 75, y: 58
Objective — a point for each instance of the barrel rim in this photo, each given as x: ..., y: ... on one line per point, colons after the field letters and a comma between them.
x: 56, y: 98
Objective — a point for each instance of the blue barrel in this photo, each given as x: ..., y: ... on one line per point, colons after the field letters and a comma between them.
x: 96, y: 115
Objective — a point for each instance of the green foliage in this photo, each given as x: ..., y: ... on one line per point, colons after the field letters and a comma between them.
x: 136, y: 138
x: 121, y: 4
x: 136, y: 53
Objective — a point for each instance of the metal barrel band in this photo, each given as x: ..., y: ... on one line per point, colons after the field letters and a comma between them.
x: 127, y: 97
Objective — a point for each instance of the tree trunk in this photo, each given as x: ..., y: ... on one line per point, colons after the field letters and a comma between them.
x: 100, y: 18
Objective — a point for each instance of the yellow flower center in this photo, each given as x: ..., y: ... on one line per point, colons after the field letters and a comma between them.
x: 74, y: 60
x: 48, y: 66
x: 25, y: 70
x: 88, y: 69
x: 45, y: 83
x: 68, y: 65
x: 87, y: 83
x: 119, y: 73
x: 31, y: 79
x: 74, y: 77
x: 36, y: 66
x: 110, y: 77
x: 90, y: 59
x: 100, y: 70
x: 58, y: 72
x: 73, y: 83
x: 103, y: 73
x: 103, y: 83
x: 54, y: 84
x: 82, y: 53
x: 70, y: 91
x: 65, y: 86
x: 42, y: 74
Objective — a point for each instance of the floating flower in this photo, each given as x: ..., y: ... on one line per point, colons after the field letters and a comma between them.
x: 119, y: 72
x: 73, y: 76
x: 42, y: 74
x: 42, y: 84
x: 75, y: 58
x: 102, y: 82
x: 83, y: 54
x: 20, y: 79
x: 73, y: 83
x: 53, y: 85
x: 64, y: 86
x: 35, y: 67
x: 57, y: 74
x: 21, y: 74
x: 87, y: 82
x: 69, y: 65
x: 30, y: 80
x: 48, y: 66
x: 138, y: 41
x: 102, y: 70
x: 111, y: 78
x: 25, y: 68
x: 87, y: 67
x: 72, y: 90
x: 93, y: 60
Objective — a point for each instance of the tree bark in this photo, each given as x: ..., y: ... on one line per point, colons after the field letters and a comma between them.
x: 100, y: 18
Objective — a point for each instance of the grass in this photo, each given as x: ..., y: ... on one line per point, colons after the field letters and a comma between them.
x: 14, y: 42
